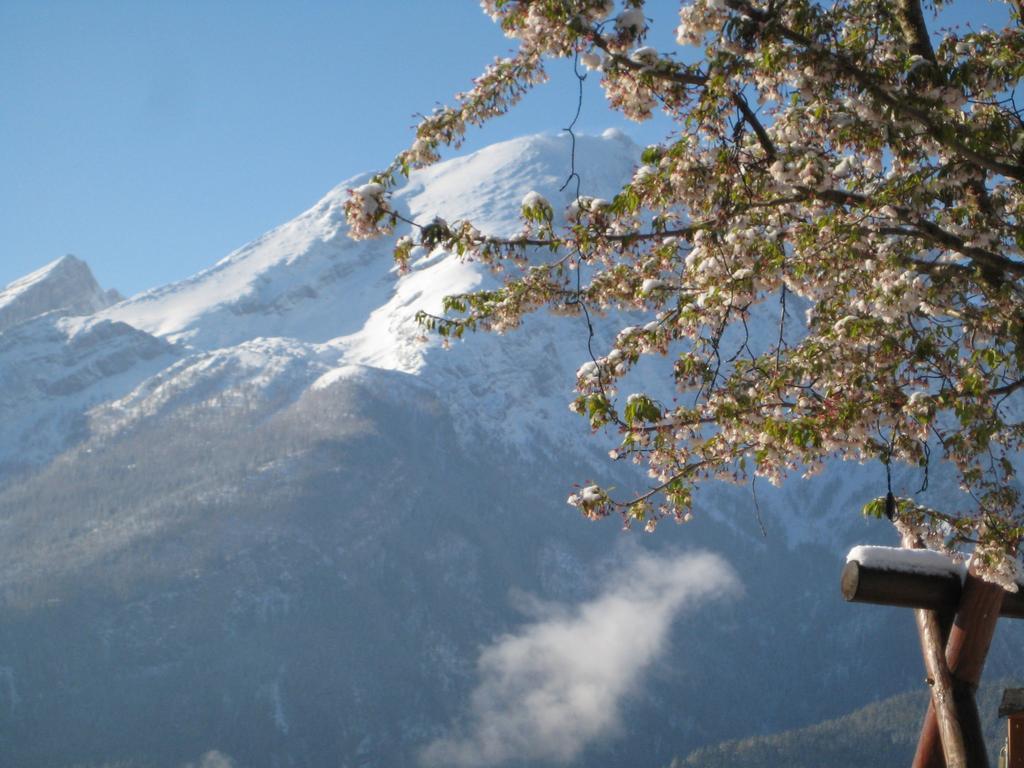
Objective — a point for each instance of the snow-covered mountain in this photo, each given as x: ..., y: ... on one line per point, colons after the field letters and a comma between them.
x: 65, y: 286
x: 304, y: 290
x: 306, y: 281
x: 254, y: 512
x: 57, y: 359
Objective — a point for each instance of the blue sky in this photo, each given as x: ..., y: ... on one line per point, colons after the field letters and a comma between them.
x: 152, y: 138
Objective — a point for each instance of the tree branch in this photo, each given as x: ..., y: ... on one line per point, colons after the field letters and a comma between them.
x: 942, y: 133
x: 748, y: 114
x: 1007, y: 389
x: 915, y: 32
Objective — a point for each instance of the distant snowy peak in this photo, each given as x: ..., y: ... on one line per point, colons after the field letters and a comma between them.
x: 487, y: 187
x: 66, y: 286
x: 306, y: 280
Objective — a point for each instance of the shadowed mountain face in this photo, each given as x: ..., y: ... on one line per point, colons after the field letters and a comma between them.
x: 264, y: 520
x: 313, y: 588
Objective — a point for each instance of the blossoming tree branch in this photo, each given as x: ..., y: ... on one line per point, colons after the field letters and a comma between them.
x: 841, y: 162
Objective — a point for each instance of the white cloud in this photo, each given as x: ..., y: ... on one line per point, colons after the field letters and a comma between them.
x: 554, y: 687
x: 212, y: 759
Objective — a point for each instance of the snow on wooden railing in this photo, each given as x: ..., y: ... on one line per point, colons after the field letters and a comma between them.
x: 911, y: 578
x: 925, y: 561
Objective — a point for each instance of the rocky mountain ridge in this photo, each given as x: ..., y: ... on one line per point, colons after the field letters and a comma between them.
x: 65, y: 286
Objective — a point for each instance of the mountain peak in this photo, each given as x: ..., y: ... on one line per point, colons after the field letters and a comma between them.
x: 306, y: 280
x: 66, y: 285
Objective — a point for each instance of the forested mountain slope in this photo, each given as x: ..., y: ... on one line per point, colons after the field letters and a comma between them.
x: 880, y: 735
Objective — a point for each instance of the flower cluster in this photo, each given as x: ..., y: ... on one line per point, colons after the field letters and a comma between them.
x: 592, y: 502
x: 367, y: 212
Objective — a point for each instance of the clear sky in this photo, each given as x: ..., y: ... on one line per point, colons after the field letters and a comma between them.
x: 152, y: 137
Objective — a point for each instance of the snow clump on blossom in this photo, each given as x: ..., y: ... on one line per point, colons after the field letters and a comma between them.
x: 631, y: 20
x: 650, y: 285
x: 365, y: 209
x: 644, y: 55
x: 591, y: 60
x: 422, y: 153
x: 535, y: 200
x: 698, y: 19
x: 591, y: 501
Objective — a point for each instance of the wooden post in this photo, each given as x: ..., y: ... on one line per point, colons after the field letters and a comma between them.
x: 865, y: 584
x: 1015, y: 742
x: 977, y: 605
x: 942, y: 706
x: 929, y: 741
x: 968, y: 645
x: 1012, y: 708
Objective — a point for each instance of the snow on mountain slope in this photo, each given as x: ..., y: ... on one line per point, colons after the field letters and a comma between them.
x: 486, y: 188
x: 301, y: 300
x: 259, y: 369
x: 53, y: 369
x: 306, y: 280
x: 302, y: 280
x: 66, y: 285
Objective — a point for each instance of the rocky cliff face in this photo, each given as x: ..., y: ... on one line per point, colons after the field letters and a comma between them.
x: 57, y: 360
x: 65, y: 286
